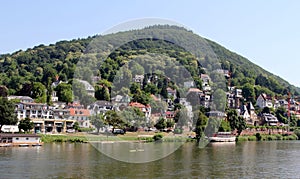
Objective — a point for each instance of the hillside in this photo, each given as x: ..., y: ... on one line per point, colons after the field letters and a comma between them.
x: 42, y: 64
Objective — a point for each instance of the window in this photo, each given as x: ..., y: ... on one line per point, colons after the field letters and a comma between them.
x: 17, y: 138
x: 27, y: 138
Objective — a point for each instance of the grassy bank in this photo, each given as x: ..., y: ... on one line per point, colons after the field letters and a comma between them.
x: 63, y: 138
x: 83, y: 138
x: 259, y: 137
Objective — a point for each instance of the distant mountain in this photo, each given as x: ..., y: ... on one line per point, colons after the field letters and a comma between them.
x: 44, y: 63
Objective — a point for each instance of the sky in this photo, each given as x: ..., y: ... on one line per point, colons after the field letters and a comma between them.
x: 265, y: 32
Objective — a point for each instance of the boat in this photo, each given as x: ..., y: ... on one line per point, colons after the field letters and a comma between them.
x: 19, y: 140
x: 222, y: 137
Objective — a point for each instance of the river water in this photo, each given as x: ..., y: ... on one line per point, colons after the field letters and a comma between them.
x: 274, y: 159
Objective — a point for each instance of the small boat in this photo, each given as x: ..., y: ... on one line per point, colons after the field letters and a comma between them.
x: 23, y: 145
x: 223, y: 137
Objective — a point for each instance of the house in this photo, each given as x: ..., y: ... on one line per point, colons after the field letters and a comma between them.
x: 205, y: 78
x: 46, y: 119
x: 100, y: 107
x: 88, y: 87
x: 146, y: 109
x: 172, y: 92
x: 54, y: 97
x: 23, y: 99
x: 234, y: 96
x: 268, y: 119
x: 170, y: 114
x: 139, y: 79
x: 189, y: 84
x: 216, y: 114
x: 253, y: 116
x: 264, y: 101
x: 80, y: 114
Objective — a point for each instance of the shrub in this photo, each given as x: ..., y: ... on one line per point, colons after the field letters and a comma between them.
x: 258, y: 136
x: 252, y: 138
x: 178, y: 131
x: 157, y: 137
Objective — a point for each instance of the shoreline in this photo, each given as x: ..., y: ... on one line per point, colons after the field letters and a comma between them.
x: 88, y: 138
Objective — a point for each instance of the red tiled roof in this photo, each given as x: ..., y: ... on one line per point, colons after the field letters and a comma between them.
x: 138, y: 105
x: 196, y: 90
x: 80, y: 112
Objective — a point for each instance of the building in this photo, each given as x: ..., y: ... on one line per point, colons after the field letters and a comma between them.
x: 268, y: 119
x: 22, y: 99
x: 88, y: 87
x: 264, y: 101
x: 80, y: 114
x: 100, y: 107
x: 46, y: 119
x: 146, y: 109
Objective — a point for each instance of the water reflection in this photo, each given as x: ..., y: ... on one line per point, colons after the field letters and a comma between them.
x: 247, y: 160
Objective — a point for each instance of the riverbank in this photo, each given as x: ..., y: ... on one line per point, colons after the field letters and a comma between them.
x: 151, y: 137
x: 267, y: 137
x: 128, y: 137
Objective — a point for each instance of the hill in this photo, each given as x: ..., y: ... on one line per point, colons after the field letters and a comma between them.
x: 41, y: 65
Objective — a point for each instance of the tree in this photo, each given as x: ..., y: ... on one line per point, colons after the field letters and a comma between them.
x: 64, y: 92
x: 102, y: 93
x: 170, y: 123
x: 225, y: 126
x: 161, y: 124
x: 200, y: 125
x: 248, y: 92
x: 114, y: 120
x: 76, y: 126
x: 26, y: 124
x: 235, y: 121
x: 98, y: 121
x: 281, y: 115
x: 39, y: 92
x: 3, y: 91
x: 7, y: 113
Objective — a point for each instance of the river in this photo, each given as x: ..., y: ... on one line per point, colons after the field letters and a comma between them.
x: 274, y: 159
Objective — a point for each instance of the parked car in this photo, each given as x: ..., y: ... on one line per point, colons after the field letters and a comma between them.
x: 70, y: 130
x: 118, y: 131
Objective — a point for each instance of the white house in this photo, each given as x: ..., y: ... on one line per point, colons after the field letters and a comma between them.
x: 264, y: 101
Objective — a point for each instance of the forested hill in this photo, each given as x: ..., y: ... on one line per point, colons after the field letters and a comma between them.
x: 44, y: 63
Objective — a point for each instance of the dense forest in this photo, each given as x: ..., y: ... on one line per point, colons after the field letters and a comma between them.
x: 33, y: 71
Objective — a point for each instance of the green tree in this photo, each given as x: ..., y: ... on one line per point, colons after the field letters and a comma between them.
x: 225, y: 126
x: 39, y: 92
x: 161, y: 123
x: 26, y: 124
x: 76, y: 126
x: 102, y: 93
x: 170, y: 123
x: 201, y: 123
x: 3, y: 91
x: 281, y: 115
x: 248, y: 92
x: 7, y: 113
x: 235, y: 121
x: 114, y: 120
x: 98, y: 121
x: 64, y: 92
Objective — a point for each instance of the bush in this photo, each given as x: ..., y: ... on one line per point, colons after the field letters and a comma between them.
x: 157, y: 137
x: 86, y: 129
x: 258, y: 136
x: 178, y: 131
x: 252, y: 138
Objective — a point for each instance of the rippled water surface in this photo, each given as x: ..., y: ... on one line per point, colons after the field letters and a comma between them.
x: 244, y: 160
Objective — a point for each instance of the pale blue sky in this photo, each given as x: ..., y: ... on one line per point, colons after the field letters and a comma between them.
x: 266, y: 32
